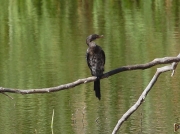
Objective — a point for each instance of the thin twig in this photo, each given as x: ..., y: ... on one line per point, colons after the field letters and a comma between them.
x: 8, y: 96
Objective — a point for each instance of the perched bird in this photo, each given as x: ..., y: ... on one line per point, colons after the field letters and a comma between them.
x: 95, y: 59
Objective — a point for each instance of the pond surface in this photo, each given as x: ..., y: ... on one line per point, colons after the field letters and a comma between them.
x: 42, y: 44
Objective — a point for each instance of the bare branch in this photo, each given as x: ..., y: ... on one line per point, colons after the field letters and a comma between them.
x: 156, y: 61
x: 144, y: 94
x: 47, y: 90
x: 165, y: 60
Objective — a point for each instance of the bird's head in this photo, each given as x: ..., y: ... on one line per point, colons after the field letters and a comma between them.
x: 94, y: 37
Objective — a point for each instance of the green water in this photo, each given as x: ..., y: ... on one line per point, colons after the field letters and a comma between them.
x: 42, y: 44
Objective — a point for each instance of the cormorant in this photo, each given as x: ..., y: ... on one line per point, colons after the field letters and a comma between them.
x: 95, y: 59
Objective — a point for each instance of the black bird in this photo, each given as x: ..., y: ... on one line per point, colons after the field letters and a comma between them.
x: 95, y: 59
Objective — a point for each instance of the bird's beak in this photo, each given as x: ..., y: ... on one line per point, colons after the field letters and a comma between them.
x: 100, y: 36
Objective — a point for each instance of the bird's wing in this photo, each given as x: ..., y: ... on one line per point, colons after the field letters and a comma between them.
x: 87, y: 58
x: 104, y: 57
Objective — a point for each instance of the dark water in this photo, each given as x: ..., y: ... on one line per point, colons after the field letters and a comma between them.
x: 42, y: 44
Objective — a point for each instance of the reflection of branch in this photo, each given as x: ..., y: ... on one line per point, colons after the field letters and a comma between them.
x: 145, y: 92
x: 90, y: 79
x: 52, y: 122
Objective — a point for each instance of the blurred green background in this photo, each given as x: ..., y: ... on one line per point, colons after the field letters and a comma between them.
x: 42, y: 44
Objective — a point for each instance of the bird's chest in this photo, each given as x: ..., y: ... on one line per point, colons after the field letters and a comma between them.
x: 96, y: 58
x: 94, y: 54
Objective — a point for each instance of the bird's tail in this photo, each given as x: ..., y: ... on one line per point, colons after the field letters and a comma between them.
x: 97, y: 88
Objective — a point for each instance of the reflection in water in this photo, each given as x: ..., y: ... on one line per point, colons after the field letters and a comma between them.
x: 43, y: 45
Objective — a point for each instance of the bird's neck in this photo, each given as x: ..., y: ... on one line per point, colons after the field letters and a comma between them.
x: 90, y: 43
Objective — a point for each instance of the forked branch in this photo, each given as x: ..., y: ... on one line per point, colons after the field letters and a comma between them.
x: 145, y: 92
